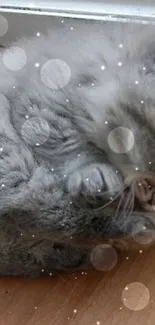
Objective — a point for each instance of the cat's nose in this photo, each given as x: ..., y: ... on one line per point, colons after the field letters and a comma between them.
x: 144, y: 189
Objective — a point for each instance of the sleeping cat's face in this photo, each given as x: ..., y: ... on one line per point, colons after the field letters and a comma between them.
x: 137, y: 165
x: 124, y: 118
x: 124, y: 129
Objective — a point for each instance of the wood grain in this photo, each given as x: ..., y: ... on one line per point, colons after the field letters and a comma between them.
x: 94, y: 298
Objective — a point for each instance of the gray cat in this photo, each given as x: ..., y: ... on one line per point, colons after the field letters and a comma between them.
x: 62, y: 160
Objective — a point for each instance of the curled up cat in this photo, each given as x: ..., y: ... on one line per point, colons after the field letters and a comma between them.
x: 77, y: 144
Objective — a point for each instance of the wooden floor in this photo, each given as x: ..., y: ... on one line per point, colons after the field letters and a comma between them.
x: 124, y: 296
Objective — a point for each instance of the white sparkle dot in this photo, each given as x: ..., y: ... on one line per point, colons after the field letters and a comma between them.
x: 38, y: 34
x: 21, y: 234
x: 52, y: 169
x: 3, y: 185
x: 102, y: 67
x: 1, y: 149
x: 42, y: 270
x: 67, y: 100
x: 14, y: 87
x: 71, y: 28
x: 136, y: 168
x: 37, y: 64
x: 126, y: 288
x: 45, y: 109
x: 62, y: 21
x: 92, y: 84
x: 75, y: 277
x: 98, y: 323
x: 127, y: 258
x: 121, y: 308
x: 50, y: 274
x: 120, y: 64
x: 87, y: 179
x: 79, y: 85
x: 144, y: 68
x: 75, y: 311
x: 37, y: 144
x: 70, y: 202
x: 33, y: 236
x: 142, y: 102
x: 31, y: 5
x: 71, y: 237
x: 99, y: 191
x: 136, y: 82
x: 120, y: 46
x: 106, y: 122
x: 141, y: 251
x: 150, y: 162
x: 79, y: 155
x: 111, y: 198
x: 64, y: 176
x: 36, y: 307
x: 116, y: 171
x: 26, y: 116
x: 82, y: 273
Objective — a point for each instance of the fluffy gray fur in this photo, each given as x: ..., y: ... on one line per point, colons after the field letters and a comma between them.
x: 41, y: 227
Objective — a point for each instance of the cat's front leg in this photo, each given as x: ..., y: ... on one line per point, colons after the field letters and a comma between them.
x: 94, y: 179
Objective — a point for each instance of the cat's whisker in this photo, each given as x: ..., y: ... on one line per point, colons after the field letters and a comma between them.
x: 120, y: 193
x: 129, y: 207
x: 119, y: 205
x: 129, y: 204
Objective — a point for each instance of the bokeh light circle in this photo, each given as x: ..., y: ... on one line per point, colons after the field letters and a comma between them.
x: 135, y: 296
x: 121, y: 139
x: 3, y: 25
x: 103, y: 257
x: 144, y: 236
x: 55, y: 74
x: 14, y: 58
x: 35, y: 131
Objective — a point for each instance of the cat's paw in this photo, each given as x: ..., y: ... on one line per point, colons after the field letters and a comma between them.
x: 93, y: 180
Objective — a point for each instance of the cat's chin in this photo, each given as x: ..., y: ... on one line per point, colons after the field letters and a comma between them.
x: 141, y: 234
x: 127, y: 233
x: 138, y: 241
